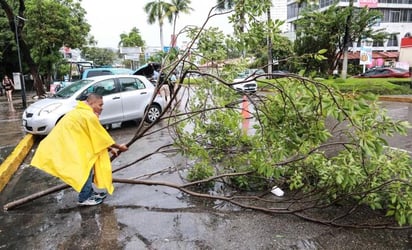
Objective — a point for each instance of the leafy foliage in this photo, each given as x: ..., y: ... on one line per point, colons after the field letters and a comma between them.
x: 132, y: 39
x: 100, y: 56
x: 306, y: 137
x: 67, y: 27
x: 210, y: 44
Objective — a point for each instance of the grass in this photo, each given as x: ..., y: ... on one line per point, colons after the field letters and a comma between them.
x: 377, y: 86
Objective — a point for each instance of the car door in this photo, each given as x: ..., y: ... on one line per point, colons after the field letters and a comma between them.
x: 135, y: 95
x: 112, y: 105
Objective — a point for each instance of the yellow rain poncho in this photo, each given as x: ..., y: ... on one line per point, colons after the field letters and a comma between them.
x: 73, y: 147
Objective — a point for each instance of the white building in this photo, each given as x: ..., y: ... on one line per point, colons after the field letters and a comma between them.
x: 278, y: 11
x: 397, y: 20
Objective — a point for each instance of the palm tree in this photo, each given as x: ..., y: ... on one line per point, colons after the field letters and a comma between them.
x: 223, y: 5
x: 158, y: 11
x: 177, y: 7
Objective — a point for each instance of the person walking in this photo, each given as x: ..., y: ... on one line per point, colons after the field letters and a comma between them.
x: 8, y: 86
x: 172, y: 82
x: 76, y: 151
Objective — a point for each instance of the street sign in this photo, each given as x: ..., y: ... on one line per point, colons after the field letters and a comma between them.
x: 365, y: 57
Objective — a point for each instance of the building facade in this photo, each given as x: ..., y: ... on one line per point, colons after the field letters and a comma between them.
x: 396, y: 20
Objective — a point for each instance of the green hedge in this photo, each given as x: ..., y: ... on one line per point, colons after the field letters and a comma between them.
x: 379, y: 86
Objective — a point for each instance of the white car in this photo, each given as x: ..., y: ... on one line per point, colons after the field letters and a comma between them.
x: 125, y: 98
x: 245, y: 85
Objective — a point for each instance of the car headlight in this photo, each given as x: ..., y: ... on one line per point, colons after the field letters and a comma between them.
x: 49, y: 108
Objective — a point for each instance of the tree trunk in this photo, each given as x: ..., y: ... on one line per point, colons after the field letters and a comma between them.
x: 346, y: 41
x: 37, y: 83
x: 270, y: 45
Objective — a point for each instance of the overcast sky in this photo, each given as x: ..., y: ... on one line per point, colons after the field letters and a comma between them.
x: 110, y: 18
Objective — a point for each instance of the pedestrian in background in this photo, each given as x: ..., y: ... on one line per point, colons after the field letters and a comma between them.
x: 76, y: 151
x: 8, y: 86
x: 164, y: 91
x: 1, y: 89
x: 155, y: 76
x: 172, y: 82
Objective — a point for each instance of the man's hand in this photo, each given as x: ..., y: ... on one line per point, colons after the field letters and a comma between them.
x: 116, y: 148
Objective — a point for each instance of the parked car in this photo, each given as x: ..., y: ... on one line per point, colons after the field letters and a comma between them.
x: 92, y: 72
x: 105, y: 71
x: 385, y: 72
x: 125, y: 97
x: 250, y: 72
x: 245, y: 84
x: 148, y: 70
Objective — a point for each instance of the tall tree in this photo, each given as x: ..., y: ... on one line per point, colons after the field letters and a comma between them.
x: 100, y: 56
x: 324, y: 30
x: 177, y: 7
x: 64, y: 24
x: 157, y: 11
x: 132, y: 39
x: 239, y: 16
x: 42, y: 28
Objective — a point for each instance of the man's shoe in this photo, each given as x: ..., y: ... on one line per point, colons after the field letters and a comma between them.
x: 100, y: 195
x: 92, y: 201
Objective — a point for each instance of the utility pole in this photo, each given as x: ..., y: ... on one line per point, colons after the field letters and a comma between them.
x: 270, y: 45
x: 23, y: 85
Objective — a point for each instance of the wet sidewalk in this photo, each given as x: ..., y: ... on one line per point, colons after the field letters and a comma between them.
x: 10, y: 118
x: 14, y: 143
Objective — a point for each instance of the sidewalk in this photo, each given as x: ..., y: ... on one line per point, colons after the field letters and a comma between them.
x: 13, y: 141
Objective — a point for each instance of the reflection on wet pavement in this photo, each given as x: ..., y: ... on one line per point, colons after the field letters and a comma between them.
x: 10, y: 123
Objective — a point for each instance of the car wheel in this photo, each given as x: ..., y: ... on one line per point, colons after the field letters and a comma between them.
x: 153, y: 113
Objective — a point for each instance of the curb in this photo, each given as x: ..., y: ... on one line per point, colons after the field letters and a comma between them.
x: 13, y: 161
x: 396, y: 98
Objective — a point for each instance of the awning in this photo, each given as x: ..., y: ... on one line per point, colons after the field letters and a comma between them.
x: 375, y: 55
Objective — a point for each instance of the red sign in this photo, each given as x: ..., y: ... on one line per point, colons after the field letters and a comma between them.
x: 406, y: 42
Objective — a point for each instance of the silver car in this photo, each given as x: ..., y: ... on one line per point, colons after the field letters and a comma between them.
x: 125, y: 97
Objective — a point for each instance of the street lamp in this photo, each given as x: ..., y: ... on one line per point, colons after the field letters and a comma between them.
x: 23, y: 87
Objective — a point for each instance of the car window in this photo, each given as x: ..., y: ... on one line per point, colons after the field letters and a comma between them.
x: 129, y: 84
x: 93, y: 73
x: 372, y: 72
x: 72, y: 88
x: 105, y: 87
x: 399, y: 70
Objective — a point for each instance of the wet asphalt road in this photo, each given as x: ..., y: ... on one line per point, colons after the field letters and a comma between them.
x: 157, y: 217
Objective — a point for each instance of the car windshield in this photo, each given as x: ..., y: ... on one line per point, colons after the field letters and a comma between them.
x: 250, y: 72
x: 400, y: 70
x: 71, y: 89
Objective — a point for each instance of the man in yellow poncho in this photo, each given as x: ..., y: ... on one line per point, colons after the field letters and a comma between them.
x: 77, y: 144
